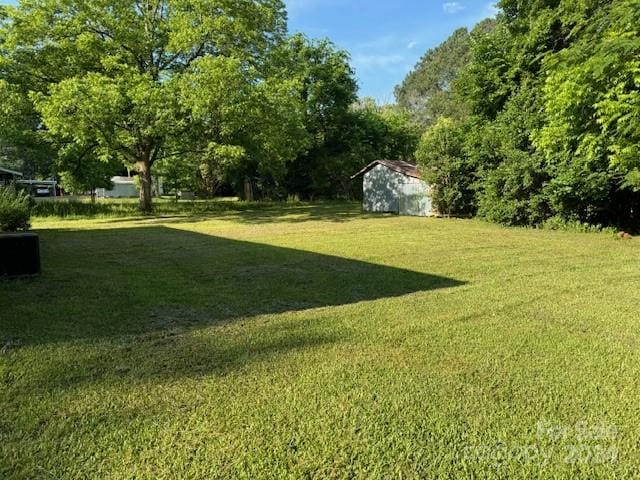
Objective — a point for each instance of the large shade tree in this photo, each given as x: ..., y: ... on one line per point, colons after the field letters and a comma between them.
x: 328, y: 90
x: 145, y: 80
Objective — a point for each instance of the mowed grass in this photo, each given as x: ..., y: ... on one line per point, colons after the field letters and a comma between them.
x: 315, y: 342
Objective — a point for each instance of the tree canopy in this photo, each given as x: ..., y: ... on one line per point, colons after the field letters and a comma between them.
x: 143, y: 80
x: 550, y: 119
x: 206, y: 92
x: 527, y: 116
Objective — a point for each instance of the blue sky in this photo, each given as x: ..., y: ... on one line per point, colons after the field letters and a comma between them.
x: 385, y: 38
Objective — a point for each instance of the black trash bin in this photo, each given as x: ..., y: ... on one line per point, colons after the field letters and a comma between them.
x: 19, y: 254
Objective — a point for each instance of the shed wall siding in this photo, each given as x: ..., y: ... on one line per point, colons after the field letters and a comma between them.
x: 387, y: 191
x: 415, y: 199
x: 119, y: 190
x: 381, y: 190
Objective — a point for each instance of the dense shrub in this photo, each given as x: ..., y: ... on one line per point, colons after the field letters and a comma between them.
x: 550, y: 107
x: 512, y: 194
x: 15, y: 210
x: 446, y: 168
x: 574, y: 225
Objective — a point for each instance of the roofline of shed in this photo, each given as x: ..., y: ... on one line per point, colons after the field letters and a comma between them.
x: 386, y: 163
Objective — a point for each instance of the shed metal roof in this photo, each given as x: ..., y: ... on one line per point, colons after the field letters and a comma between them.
x: 399, y: 166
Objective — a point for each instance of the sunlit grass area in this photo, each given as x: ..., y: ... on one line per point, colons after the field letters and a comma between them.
x: 310, y: 341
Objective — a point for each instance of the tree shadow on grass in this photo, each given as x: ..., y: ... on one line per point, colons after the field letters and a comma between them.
x: 130, y: 303
x: 103, y: 283
x: 334, y: 213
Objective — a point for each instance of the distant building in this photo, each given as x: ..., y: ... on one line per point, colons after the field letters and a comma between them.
x: 127, y: 187
x: 8, y: 177
x: 123, y: 187
x: 395, y: 187
x: 39, y: 188
x: 36, y: 188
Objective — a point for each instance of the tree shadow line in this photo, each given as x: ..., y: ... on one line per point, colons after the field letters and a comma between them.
x: 145, y: 292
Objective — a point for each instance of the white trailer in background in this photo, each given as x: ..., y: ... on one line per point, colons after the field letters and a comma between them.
x: 127, y: 187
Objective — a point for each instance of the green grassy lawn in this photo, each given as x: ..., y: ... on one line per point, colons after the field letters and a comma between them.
x: 315, y: 342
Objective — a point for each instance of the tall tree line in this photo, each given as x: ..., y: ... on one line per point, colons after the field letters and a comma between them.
x: 201, y: 92
x: 535, y: 115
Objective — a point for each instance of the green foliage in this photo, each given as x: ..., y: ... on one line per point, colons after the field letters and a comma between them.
x: 78, y: 208
x: 205, y: 92
x: 327, y: 93
x: 134, y: 81
x: 177, y: 174
x: 80, y: 182
x: 512, y: 175
x: 81, y: 171
x: 242, y: 115
x: 512, y: 193
x: 368, y: 132
x: 552, y: 95
x: 15, y: 209
x: 446, y: 168
x: 328, y: 85
x: 427, y: 91
x: 485, y: 82
x: 562, y: 224
x: 21, y: 146
x: 401, y: 134
x: 125, y: 208
x: 592, y: 98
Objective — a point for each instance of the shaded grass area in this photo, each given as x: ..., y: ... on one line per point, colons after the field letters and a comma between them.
x: 284, y: 343
x: 144, y: 278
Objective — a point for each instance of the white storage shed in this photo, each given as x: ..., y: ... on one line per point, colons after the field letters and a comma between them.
x: 390, y: 186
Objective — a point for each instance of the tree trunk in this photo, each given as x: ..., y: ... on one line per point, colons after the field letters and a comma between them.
x: 144, y: 172
x: 248, y: 190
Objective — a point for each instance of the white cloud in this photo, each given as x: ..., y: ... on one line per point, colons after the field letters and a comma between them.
x: 378, y: 61
x: 386, y: 41
x: 411, y: 45
x: 491, y: 10
x: 452, y: 7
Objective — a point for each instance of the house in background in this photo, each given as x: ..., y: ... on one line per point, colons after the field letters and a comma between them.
x: 394, y: 187
x: 8, y: 177
x: 126, y: 187
x: 122, y: 187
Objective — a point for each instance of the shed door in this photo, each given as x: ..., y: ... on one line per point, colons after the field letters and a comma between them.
x: 415, y: 200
